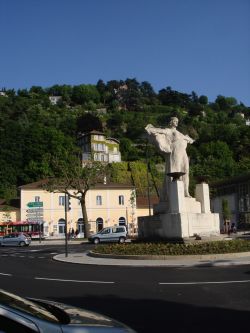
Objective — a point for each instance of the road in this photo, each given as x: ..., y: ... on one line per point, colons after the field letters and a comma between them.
x: 195, y: 299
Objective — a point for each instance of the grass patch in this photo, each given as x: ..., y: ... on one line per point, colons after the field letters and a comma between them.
x: 153, y: 248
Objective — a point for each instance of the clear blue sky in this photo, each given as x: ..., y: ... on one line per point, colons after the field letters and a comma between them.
x: 189, y: 45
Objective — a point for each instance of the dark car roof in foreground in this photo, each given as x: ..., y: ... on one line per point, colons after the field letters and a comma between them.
x: 66, y: 316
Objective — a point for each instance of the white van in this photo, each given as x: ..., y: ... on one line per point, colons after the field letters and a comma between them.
x: 110, y: 234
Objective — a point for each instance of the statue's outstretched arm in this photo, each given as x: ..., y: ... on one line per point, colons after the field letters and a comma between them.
x: 189, y: 140
x: 154, y: 130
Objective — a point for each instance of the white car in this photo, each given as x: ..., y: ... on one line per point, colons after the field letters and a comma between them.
x: 15, y: 239
x: 110, y: 234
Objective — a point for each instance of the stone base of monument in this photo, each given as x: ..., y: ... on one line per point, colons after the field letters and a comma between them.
x: 181, y: 217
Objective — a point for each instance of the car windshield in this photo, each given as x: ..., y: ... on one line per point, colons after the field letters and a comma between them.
x: 24, y: 305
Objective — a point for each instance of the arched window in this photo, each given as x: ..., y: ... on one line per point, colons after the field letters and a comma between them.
x: 99, y: 224
x: 61, y: 226
x: 122, y: 221
x: 121, y: 199
x: 80, y: 226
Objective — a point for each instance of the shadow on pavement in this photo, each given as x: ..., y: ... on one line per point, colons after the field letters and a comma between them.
x: 154, y: 316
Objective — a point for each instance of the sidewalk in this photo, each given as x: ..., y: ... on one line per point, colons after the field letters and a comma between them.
x: 170, y: 261
x: 57, y: 241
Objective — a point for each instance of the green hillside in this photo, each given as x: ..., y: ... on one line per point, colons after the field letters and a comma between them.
x: 32, y: 130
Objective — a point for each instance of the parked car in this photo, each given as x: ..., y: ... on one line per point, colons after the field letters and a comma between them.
x: 22, y: 315
x: 110, y: 234
x: 15, y: 239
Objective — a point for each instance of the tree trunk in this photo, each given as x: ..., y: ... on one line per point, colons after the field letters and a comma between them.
x: 85, y: 218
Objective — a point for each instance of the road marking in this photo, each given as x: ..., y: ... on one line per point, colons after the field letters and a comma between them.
x: 205, y: 282
x: 6, y: 274
x: 78, y: 281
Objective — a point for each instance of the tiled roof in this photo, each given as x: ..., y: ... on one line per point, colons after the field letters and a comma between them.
x: 39, y: 185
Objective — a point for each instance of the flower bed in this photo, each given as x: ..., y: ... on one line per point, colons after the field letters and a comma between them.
x: 161, y: 248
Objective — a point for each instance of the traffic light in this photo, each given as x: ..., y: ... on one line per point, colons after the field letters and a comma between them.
x: 68, y: 203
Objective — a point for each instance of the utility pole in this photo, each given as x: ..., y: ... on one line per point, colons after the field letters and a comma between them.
x: 66, y: 223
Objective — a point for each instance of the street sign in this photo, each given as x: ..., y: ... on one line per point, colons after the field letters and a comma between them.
x: 35, y: 219
x: 35, y: 204
x: 34, y: 215
x: 34, y: 210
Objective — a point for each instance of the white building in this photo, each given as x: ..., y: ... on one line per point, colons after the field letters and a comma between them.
x: 95, y: 145
x: 55, y: 99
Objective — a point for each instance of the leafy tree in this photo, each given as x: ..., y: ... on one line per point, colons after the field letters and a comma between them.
x: 216, y: 160
x: 37, y: 90
x: 203, y: 100
x: 128, y: 150
x: 148, y: 93
x: 195, y: 109
x: 171, y: 97
x: 101, y: 86
x: 226, y: 213
x: 73, y: 179
x: 194, y: 97
x: 88, y: 122
x: 84, y: 93
x: 225, y: 103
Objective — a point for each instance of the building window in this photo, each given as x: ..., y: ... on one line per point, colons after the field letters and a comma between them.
x: 122, y: 221
x: 80, y: 226
x: 61, y: 200
x: 99, y: 224
x: 121, y: 199
x: 101, y: 147
x: 99, y: 200
x: 37, y: 199
x: 61, y: 226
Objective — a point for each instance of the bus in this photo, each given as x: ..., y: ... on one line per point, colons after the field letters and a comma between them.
x: 33, y: 229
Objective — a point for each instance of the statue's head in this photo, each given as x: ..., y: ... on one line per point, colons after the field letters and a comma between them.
x: 174, y: 122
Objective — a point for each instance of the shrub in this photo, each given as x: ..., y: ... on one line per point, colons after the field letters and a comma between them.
x: 163, y: 248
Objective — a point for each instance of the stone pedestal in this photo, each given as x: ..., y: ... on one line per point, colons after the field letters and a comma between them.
x: 181, y: 216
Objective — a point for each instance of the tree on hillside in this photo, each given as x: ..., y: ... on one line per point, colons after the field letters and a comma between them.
x: 83, y: 94
x: 172, y: 97
x: 88, y: 122
x: 75, y: 180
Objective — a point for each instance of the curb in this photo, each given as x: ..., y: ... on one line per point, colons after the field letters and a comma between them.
x: 173, y: 257
x: 85, y: 259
